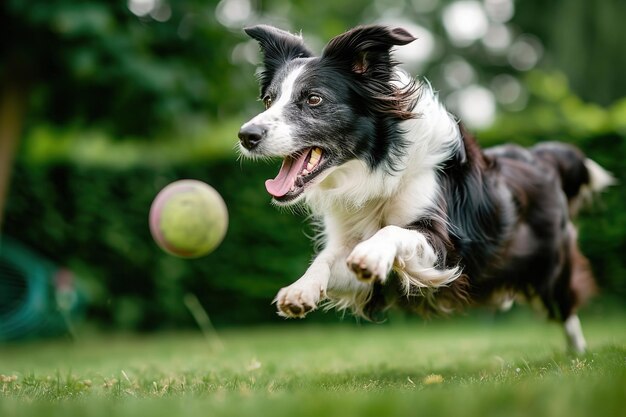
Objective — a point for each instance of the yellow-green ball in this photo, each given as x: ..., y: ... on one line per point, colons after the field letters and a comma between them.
x: 188, y: 218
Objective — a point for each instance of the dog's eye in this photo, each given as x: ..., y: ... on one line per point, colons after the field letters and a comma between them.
x: 267, y: 100
x: 313, y: 100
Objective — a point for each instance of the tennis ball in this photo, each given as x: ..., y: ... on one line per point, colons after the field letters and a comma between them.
x: 188, y: 218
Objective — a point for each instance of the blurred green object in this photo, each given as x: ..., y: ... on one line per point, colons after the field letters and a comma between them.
x: 36, y: 298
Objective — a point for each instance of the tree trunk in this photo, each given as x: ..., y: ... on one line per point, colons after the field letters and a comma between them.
x: 12, y: 107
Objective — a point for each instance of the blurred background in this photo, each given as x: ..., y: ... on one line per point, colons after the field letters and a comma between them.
x: 104, y: 102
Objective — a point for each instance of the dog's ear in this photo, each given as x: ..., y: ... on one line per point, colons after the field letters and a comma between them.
x: 278, y: 47
x: 365, y: 49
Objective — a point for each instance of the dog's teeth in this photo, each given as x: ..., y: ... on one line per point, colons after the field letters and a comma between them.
x: 314, y: 159
x: 316, y: 153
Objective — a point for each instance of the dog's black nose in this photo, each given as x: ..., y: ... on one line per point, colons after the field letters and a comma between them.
x: 251, y: 135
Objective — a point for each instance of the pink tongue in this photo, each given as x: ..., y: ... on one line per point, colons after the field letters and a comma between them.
x: 287, y: 175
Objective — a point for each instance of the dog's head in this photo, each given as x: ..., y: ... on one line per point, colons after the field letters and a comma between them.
x: 321, y: 112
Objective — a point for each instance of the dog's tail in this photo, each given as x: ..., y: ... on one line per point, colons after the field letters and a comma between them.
x: 581, y: 177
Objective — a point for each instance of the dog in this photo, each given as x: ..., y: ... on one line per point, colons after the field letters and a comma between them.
x: 412, y: 212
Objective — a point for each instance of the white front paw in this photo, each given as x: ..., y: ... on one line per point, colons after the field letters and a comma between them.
x: 297, y: 300
x: 371, y: 260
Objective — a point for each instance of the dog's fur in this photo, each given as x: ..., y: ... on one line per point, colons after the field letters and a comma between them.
x: 413, y: 212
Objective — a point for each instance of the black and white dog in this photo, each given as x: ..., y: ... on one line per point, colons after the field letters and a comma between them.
x: 413, y: 213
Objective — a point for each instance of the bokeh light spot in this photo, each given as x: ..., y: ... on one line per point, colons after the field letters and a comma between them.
x: 233, y: 13
x: 475, y: 105
x: 465, y: 22
x: 141, y: 8
x: 500, y: 10
x: 525, y: 52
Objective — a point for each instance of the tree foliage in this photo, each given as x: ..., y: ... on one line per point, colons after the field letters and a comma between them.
x: 94, y: 63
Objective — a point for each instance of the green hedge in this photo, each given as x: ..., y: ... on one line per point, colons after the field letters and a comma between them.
x: 95, y: 221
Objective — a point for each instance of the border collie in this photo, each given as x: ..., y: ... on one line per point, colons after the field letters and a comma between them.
x: 413, y: 213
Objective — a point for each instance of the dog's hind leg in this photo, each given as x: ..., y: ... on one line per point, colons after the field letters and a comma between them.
x: 574, y: 287
x: 574, y: 333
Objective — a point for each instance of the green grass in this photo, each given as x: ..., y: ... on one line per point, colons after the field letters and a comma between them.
x: 512, y: 367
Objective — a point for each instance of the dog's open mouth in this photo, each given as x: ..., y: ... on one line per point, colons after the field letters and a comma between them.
x: 295, y: 173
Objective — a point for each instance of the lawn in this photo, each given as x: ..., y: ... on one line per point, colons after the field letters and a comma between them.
x: 479, y: 366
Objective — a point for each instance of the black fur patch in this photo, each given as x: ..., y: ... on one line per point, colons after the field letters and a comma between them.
x: 503, y: 217
x: 278, y: 47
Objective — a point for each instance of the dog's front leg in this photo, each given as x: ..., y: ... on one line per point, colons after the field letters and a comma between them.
x: 410, y: 252
x: 304, y: 295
